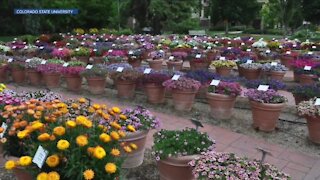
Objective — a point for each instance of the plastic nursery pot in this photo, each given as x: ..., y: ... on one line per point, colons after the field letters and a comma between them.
x: 307, y: 79
x: 52, y: 80
x: 135, y: 158
x: 221, y: 105
x: 183, y: 99
x: 174, y: 65
x: 313, y: 124
x: 18, y: 75
x: 96, y: 85
x: 224, y: 71
x: 156, y: 64
x: 155, y: 93
x: 34, y: 77
x: 126, y: 89
x: 73, y: 82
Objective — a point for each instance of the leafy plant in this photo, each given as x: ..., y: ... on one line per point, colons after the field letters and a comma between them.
x: 183, y: 83
x: 273, y: 84
x: 125, y: 75
x: 223, y: 63
x: 308, y: 108
x: 226, y: 88
x: 98, y: 70
x: 270, y: 96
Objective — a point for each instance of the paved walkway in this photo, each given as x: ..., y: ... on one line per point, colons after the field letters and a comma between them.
x: 298, y: 165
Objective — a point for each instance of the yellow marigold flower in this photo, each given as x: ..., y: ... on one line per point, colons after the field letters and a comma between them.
x: 25, y: 160
x: 44, y: 137
x: 123, y: 117
x: 127, y: 149
x: 87, y: 124
x: 122, y: 134
x: 88, y: 174
x: 64, y: 110
x: 115, y: 135
x: 116, y: 110
x: 133, y: 146
x: 63, y: 144
x: 1, y: 89
x: 75, y: 106
x: 105, y: 138
x: 115, y: 125
x: 99, y: 152
x: 71, y: 124
x: 52, y: 137
x: 53, y: 160
x: 53, y: 175
x: 23, y: 134
x: 96, y: 106
x: 82, y: 140
x: 104, y: 106
x: 131, y: 128
x: 3, y: 86
x: 91, y: 109
x: 42, y: 176
x: 100, y: 126
x: 90, y: 150
x: 81, y: 119
x: 115, y: 152
x: 37, y: 125
x: 59, y: 131
x: 110, y: 168
x: 82, y: 100
x: 10, y: 165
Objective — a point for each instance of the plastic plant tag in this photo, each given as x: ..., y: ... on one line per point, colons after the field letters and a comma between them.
x: 310, y: 52
x: 110, y: 50
x: 119, y: 69
x: 171, y: 57
x: 60, y: 49
x: 229, y: 42
x: 248, y: 50
x: 10, y: 60
x: 229, y: 48
x: 40, y: 156
x: 280, y: 47
x: 288, y: 52
x: 13, y: 47
x: 130, y: 52
x: 4, y: 126
x: 268, y: 51
x: 216, y: 42
x: 294, y: 45
x: 41, y: 47
x: 317, y: 103
x: 263, y: 87
x: 198, y: 56
x: 274, y: 63
x: 249, y: 61
x: 307, y: 68
x: 28, y: 60
x: 215, y: 82
x: 147, y: 71
x: 82, y: 43
x: 175, y: 77
x: 314, y: 47
x: 43, y: 62
x: 222, y: 58
x: 95, y: 50
x: 65, y: 64
x: 195, y: 47
x: 89, y: 66
x: 209, y: 47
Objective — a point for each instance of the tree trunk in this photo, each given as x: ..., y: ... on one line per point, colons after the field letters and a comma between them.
x: 226, y: 23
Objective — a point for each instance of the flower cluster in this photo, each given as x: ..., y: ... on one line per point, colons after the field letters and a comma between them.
x: 33, y: 63
x: 273, y: 84
x: 270, y: 96
x: 224, y: 63
x: 183, y: 83
x: 306, y: 91
x: 97, y: 70
x: 202, y: 76
x: 226, y: 88
x: 251, y: 65
x: 126, y: 74
x: 268, y: 67
x: 61, y: 52
x: 308, y: 108
x: 156, y: 78
x: 82, y: 51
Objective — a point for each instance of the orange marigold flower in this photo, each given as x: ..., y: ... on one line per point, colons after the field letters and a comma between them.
x: 59, y: 131
x: 115, y: 135
x: 44, y: 137
x: 88, y: 174
x: 82, y: 140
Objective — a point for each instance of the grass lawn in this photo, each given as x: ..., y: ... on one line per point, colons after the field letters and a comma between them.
x: 233, y: 34
x: 7, y: 38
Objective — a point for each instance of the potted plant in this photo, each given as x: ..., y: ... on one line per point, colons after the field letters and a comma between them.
x: 156, y: 59
x: 61, y: 53
x: 266, y: 107
x: 183, y: 92
x: 72, y: 75
x: 222, y: 98
x: 199, y: 61
x: 311, y: 112
x: 287, y: 57
x: 115, y: 56
x: 305, y: 92
x: 3, y: 69
x: 18, y: 71
x: 134, y: 57
x: 223, y: 67
x: 251, y: 71
x: 174, y: 63
x: 153, y: 87
x: 299, y: 70
x: 51, y: 72
x: 82, y: 54
x: 33, y: 74
x: 96, y: 78
x: 275, y: 71
x: 216, y: 165
x: 97, y: 56
x: 174, y: 149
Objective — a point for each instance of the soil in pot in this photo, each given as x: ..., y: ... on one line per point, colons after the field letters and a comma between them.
x: 155, y: 93
x: 221, y: 105
x: 96, y: 85
x: 183, y: 100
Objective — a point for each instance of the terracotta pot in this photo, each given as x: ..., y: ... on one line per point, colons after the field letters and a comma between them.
x: 224, y: 71
x: 176, y: 168
x: 174, y: 65
x: 251, y: 74
x: 202, y: 92
x: 126, y: 89
x: 73, y: 82
x: 296, y: 76
x: 155, y: 93
x: 298, y: 99
x: 183, y: 100
x: 96, y: 85
x: 156, y: 64
x: 240, y: 70
x: 211, y: 55
x: 22, y: 174
x: 3, y: 74
x: 98, y: 60
x: 307, y: 79
x: 199, y: 65
x: 84, y: 59
x: 52, y: 80
x: 277, y: 75
x: 34, y: 77
x: 313, y: 124
x: 265, y: 116
x: 135, y: 62
x: 18, y: 75
x: 135, y: 158
x: 221, y: 105
x: 287, y: 60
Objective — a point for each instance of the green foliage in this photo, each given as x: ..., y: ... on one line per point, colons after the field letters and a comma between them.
x: 311, y: 10
x: 28, y: 38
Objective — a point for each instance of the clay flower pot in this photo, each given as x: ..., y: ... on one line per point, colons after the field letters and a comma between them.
x: 135, y: 62
x: 296, y: 76
x: 52, y: 80
x: 224, y: 71
x: 183, y: 99
x: 126, y: 89
x: 3, y: 74
x: 199, y: 65
x: 175, y: 65
x: 307, y: 79
x: 176, y: 168
x: 155, y: 64
x: 19, y: 172
x: 155, y: 93
x: 34, y: 77
x: 299, y: 99
x: 221, y: 105
x: 84, y: 59
x: 96, y: 85
x: 313, y: 124
x: 73, y: 82
x: 287, y: 60
x: 251, y: 74
x: 265, y: 116
x: 18, y: 75
x: 240, y: 70
x: 98, y: 60
x: 277, y: 75
x: 135, y: 158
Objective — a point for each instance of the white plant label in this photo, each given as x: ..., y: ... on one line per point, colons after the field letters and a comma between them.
x: 248, y: 50
x: 229, y: 42
x: 41, y: 47
x: 110, y: 50
x: 294, y: 45
x: 242, y: 44
x: 28, y: 60
x: 222, y: 58
x: 120, y: 69
x: 175, y: 77
x: 60, y: 49
x: 40, y: 156
x: 195, y: 47
x: 216, y: 42
x: 82, y: 43
x: 130, y: 52
x: 95, y: 50
x: 209, y: 47
x: 268, y: 51
x: 314, y: 47
x: 77, y: 49
x: 198, y: 56
x: 317, y: 103
x: 215, y: 82
x: 65, y: 64
x: 274, y: 63
x: 263, y: 87
x: 288, y: 52
x: 89, y: 66
x: 229, y: 48
x: 307, y: 68
x: 249, y: 61
x: 4, y: 126
x: 43, y: 62
x: 94, y: 43
x: 171, y: 57
x: 10, y: 60
x: 147, y: 71
x: 280, y: 47
x: 310, y: 52
x: 13, y: 47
